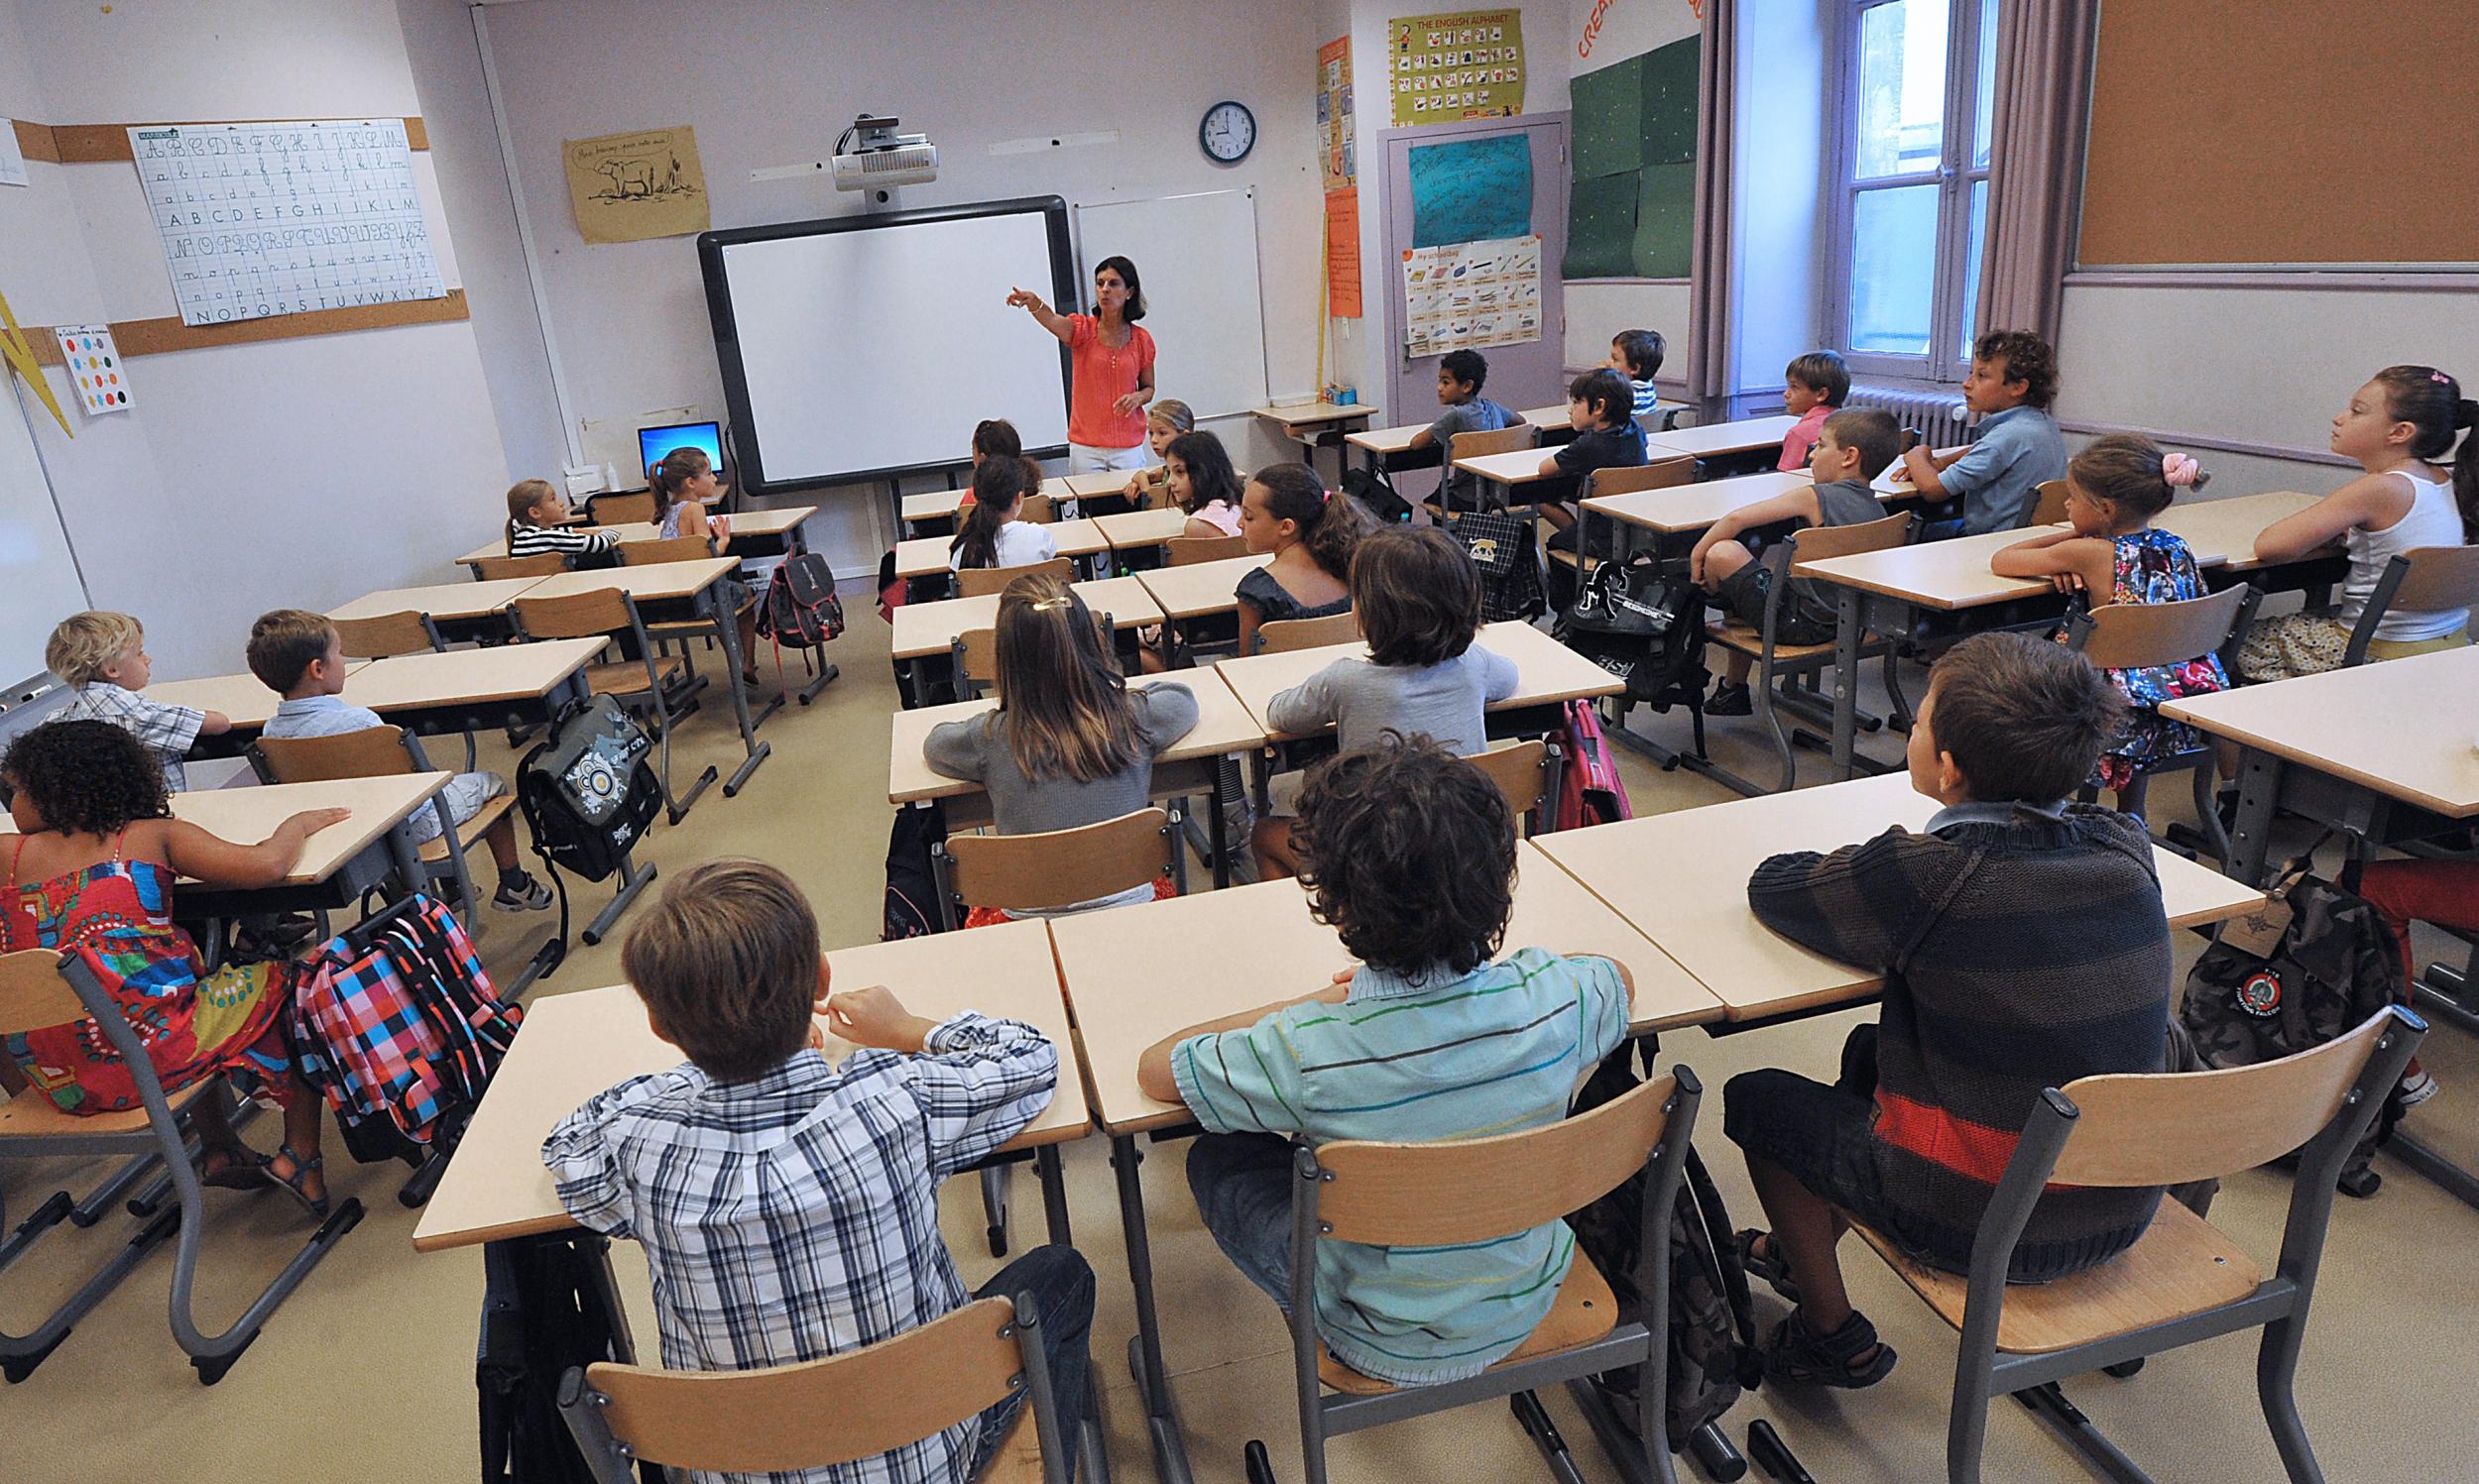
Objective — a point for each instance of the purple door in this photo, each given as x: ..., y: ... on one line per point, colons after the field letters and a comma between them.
x: 1530, y: 373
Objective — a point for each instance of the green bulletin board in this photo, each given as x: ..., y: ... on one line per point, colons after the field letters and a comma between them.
x: 1631, y: 209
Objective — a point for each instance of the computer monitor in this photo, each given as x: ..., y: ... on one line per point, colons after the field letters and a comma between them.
x: 653, y: 442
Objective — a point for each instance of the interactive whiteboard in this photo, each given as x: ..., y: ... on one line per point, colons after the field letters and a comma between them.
x: 867, y: 346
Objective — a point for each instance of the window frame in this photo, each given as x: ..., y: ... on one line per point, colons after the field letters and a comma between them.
x: 1952, y: 298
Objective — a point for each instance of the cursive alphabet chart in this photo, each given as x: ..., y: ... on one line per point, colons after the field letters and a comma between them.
x: 286, y: 218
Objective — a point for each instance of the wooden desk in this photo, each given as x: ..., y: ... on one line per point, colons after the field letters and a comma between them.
x: 1224, y: 726
x: 339, y: 863
x: 1200, y: 588
x: 1548, y: 673
x: 2221, y: 533
x: 926, y: 556
x: 1717, y: 440
x: 1318, y: 423
x: 1388, y: 451
x: 656, y: 582
x: 1693, y: 508
x: 1557, y: 423
x: 1132, y: 529
x: 924, y: 629
x: 769, y: 532
x: 1701, y: 918
x: 244, y: 698
x: 447, y: 602
x: 1892, y: 480
x: 1517, y: 467
x: 573, y: 1046
x: 942, y: 504
x: 932, y: 504
x: 465, y: 690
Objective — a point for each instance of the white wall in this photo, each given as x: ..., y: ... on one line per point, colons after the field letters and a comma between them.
x: 294, y: 473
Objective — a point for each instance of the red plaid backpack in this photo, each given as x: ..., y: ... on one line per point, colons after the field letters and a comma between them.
x: 397, y: 1024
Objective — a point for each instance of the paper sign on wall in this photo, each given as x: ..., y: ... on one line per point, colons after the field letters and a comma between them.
x: 1465, y: 66
x: 1336, y: 149
x: 1470, y: 294
x: 11, y: 156
x: 627, y: 188
x: 1343, y: 254
x: 94, y: 368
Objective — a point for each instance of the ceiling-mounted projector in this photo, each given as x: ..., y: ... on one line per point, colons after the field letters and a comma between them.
x: 871, y: 156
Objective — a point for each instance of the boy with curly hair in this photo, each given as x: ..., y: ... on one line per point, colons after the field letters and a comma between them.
x: 2015, y: 447
x: 1409, y: 853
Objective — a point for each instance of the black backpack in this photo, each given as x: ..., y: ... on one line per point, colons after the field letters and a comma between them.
x: 1501, y: 546
x: 1643, y: 621
x: 911, y: 875
x: 1377, y: 496
x: 801, y: 610
x: 588, y: 790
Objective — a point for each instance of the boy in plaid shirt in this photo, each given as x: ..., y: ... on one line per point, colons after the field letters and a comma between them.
x: 787, y: 1206
x: 102, y: 656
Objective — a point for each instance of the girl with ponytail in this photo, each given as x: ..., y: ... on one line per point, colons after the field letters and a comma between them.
x: 993, y: 535
x: 1284, y: 510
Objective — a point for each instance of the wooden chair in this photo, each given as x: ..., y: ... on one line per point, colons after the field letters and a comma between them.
x: 1059, y: 868
x: 1285, y: 634
x: 1660, y: 474
x: 2049, y: 507
x: 1775, y: 660
x: 41, y: 988
x: 2421, y: 581
x: 385, y: 636
x: 1474, y: 445
x: 1521, y: 772
x: 1186, y: 551
x: 2184, y: 1281
x: 2136, y: 636
x: 620, y: 508
x: 495, y: 568
x: 645, y: 685
x: 975, y: 656
x: 1040, y: 508
x: 1388, y: 1196
x: 981, y: 582
x: 386, y: 752
x: 820, y: 1412
x: 649, y: 552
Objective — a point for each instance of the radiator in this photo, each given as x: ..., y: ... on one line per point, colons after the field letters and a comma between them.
x: 1939, y: 415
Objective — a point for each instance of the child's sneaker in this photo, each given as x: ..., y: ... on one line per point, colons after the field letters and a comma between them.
x: 1730, y: 700
x: 525, y: 895
x: 2418, y: 1087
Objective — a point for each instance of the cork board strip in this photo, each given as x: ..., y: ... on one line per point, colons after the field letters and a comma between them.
x: 102, y: 144
x: 155, y: 337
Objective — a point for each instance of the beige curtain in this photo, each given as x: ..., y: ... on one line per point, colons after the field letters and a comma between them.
x: 1709, y: 289
x: 2044, y: 94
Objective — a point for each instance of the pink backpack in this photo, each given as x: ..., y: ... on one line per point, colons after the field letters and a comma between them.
x: 1589, y: 791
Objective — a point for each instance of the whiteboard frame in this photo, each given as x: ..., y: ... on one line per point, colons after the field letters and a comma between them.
x: 746, y: 444
x: 1256, y: 239
x: 23, y: 690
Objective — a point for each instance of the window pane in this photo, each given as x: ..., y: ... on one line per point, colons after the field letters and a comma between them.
x: 1902, y: 88
x: 1893, y: 269
x: 1987, y: 91
x: 1971, y: 270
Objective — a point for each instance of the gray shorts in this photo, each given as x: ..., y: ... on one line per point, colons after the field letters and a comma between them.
x: 465, y: 794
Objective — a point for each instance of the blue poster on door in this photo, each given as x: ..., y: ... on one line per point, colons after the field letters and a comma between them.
x: 1471, y: 189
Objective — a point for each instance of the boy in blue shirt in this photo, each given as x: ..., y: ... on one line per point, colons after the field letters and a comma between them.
x: 1427, y: 1040
x: 1461, y: 376
x: 1637, y: 356
x: 2016, y: 447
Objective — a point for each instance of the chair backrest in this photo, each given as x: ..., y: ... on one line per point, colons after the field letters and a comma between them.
x: 1660, y: 474
x: 2049, y: 507
x: 498, y: 568
x: 372, y: 753
x: 975, y: 656
x: 2127, y: 635
x: 674, y: 549
x: 1061, y: 866
x: 1521, y: 772
x: 383, y: 635
x: 1475, y: 444
x: 981, y: 582
x: 1041, y: 508
x: 1307, y: 633
x: 1186, y: 551
x: 619, y: 509
x: 2168, y: 1128
x: 1822, y: 542
x: 2439, y: 577
x: 34, y: 996
x: 1387, y: 1194
x: 576, y: 615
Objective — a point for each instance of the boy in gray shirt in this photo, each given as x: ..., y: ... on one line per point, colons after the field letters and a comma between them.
x: 1461, y: 376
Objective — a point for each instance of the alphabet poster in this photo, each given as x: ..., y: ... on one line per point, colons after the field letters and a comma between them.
x: 264, y: 219
x: 94, y: 367
x: 627, y: 188
x: 1465, y: 66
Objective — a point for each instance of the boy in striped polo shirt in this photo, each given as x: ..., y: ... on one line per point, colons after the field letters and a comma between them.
x: 2023, y: 944
x: 1410, y: 854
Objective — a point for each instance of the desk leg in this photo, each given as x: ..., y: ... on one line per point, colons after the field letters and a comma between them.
x: 407, y: 858
x: 1093, y: 1448
x: 1217, y: 830
x: 1145, y: 1352
x: 2259, y: 788
x: 1851, y: 610
x: 727, y: 629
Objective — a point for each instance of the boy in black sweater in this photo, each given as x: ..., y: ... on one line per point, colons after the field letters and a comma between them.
x: 2022, y: 944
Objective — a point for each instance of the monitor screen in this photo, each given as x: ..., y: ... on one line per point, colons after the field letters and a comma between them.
x: 653, y: 442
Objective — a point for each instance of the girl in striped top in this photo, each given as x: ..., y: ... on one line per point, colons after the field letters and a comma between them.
x: 535, y: 514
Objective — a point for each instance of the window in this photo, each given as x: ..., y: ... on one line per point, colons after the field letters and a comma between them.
x: 1920, y: 83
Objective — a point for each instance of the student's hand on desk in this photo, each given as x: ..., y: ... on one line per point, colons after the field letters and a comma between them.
x: 875, y: 1017
x: 307, y: 823
x: 2067, y: 581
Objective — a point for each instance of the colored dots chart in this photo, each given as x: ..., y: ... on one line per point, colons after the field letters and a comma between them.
x: 94, y: 364
x: 286, y: 218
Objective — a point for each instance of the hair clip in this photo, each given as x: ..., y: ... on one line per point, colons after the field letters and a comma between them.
x: 1046, y: 605
x: 2439, y: 377
x: 2178, y: 470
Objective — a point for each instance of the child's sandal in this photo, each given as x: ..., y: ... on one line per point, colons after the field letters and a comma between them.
x: 302, y: 1169
x: 1850, y: 1357
x: 1768, y: 1264
x: 244, y: 1169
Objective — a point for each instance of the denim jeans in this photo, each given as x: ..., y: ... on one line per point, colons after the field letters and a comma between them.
x: 1061, y: 1284
x: 1242, y: 1185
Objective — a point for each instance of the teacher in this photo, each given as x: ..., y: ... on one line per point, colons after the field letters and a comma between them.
x: 1113, y: 369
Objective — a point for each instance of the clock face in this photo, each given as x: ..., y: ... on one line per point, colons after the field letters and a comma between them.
x: 1229, y: 132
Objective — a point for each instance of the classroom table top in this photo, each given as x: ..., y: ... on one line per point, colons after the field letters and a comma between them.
x: 1132, y: 529
x: 1516, y: 466
x: 1684, y: 508
x: 442, y: 600
x: 1389, y: 440
x: 2404, y: 728
x: 1317, y: 414
x: 1699, y: 911
x: 243, y: 698
x: 250, y: 814
x: 501, y: 672
x: 573, y: 1046
x: 654, y: 582
x: 933, y: 505
x: 1136, y: 974
x: 926, y: 556
x: 1891, y: 479
x: 776, y: 522
x: 1950, y: 574
x: 923, y: 629
x: 1715, y: 439
x: 1201, y: 588
x: 929, y: 505
x: 2222, y: 532
x: 1546, y: 670
x: 1223, y: 726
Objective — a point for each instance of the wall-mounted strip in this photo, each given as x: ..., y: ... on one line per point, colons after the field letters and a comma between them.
x: 155, y: 337
x: 103, y: 144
